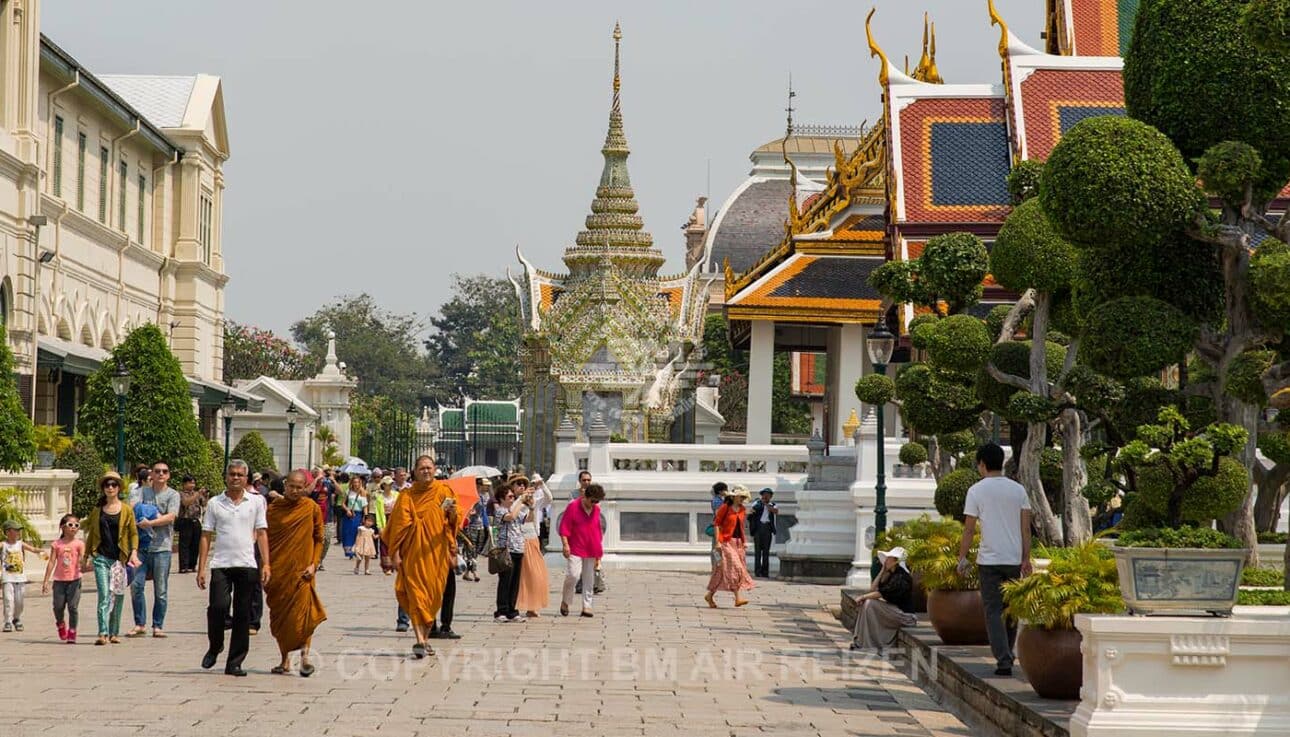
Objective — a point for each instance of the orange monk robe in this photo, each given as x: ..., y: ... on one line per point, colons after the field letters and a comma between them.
x: 419, y: 531
x: 295, y: 543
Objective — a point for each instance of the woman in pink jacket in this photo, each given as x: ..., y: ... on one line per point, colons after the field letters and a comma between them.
x: 580, y: 537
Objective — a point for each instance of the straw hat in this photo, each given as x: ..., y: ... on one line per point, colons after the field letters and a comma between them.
x: 110, y: 475
x: 739, y: 491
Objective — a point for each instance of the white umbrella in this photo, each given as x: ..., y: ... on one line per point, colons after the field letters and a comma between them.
x: 478, y: 471
x: 355, y: 466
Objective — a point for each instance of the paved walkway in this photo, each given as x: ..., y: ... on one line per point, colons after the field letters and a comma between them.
x: 654, y: 661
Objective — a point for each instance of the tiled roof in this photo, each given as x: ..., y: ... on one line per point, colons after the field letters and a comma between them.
x: 162, y: 100
x: 955, y: 160
x: 1102, y: 27
x: 829, y: 278
x: 751, y: 225
x: 492, y: 413
x: 812, y: 288
x: 1054, y: 100
x: 799, y: 144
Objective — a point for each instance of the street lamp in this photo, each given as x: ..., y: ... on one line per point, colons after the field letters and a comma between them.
x: 121, y: 387
x: 292, y: 414
x: 881, y: 343
x: 229, y: 407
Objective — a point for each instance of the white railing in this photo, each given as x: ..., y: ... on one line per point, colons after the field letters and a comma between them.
x: 602, y: 458
x: 44, y: 496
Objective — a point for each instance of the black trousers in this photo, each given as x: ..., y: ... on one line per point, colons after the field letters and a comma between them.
x: 449, y: 598
x: 762, y: 540
x: 257, y: 598
x: 190, y: 538
x: 508, y: 588
x: 231, y: 586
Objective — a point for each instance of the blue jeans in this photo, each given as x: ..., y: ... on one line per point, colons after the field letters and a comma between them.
x: 159, y: 564
x: 107, y: 600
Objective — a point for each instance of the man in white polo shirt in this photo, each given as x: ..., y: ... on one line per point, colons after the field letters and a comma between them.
x: 236, y: 521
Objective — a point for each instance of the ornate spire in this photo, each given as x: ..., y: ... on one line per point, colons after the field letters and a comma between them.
x: 926, y: 70
x: 614, y: 225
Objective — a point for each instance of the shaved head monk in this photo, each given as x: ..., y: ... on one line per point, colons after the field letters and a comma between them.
x: 295, y: 547
x: 421, y: 533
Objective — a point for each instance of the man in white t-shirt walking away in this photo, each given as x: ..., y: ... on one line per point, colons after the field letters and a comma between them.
x: 234, y: 529
x: 1003, y: 509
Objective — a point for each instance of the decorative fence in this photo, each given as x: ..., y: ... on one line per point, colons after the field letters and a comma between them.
x: 44, y: 496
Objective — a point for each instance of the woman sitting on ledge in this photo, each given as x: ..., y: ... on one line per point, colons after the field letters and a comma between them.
x: 885, y: 609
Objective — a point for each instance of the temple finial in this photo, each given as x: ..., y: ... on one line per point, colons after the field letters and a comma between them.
x: 874, y: 49
x: 618, y: 82
x: 997, y: 20
x: 788, y: 133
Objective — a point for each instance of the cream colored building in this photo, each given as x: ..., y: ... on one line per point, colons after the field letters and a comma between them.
x: 111, y: 203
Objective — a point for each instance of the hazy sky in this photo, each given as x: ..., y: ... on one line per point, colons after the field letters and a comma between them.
x: 381, y: 146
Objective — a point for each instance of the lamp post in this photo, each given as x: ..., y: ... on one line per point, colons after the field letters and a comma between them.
x: 228, y: 408
x: 292, y: 414
x: 881, y: 343
x: 121, y: 387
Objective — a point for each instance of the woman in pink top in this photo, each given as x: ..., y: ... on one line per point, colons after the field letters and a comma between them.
x: 580, y: 537
x: 65, y: 570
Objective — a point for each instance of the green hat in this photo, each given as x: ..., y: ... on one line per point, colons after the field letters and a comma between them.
x: 12, y: 524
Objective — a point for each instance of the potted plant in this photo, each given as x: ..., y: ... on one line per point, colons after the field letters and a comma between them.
x: 906, y: 534
x: 1079, y: 580
x: 954, y: 605
x: 1179, y: 481
x: 50, y: 442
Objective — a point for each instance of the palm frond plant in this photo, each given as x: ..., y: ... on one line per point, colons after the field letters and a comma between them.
x: 1079, y: 580
x: 9, y: 510
x: 935, y: 557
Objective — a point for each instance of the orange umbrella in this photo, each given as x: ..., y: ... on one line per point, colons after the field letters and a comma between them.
x: 467, y: 496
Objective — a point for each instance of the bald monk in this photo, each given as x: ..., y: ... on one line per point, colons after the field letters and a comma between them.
x: 295, y: 547
x: 421, y: 535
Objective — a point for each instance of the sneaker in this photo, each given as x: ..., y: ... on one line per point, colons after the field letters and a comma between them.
x: 498, y: 618
x: 62, y: 631
x: 71, y: 637
x: 517, y: 618
x: 17, y: 625
x: 8, y: 627
x: 447, y: 634
x: 401, y: 628
x: 1003, y: 670
x: 253, y: 631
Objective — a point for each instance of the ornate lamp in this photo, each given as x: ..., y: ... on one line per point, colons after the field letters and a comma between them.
x: 121, y: 387
x: 881, y: 344
x: 227, y: 409
x: 292, y: 415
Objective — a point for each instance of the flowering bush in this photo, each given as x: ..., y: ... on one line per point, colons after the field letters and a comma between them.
x: 250, y: 352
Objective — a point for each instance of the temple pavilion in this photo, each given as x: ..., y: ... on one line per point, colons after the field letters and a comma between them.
x: 936, y: 162
x: 611, y: 341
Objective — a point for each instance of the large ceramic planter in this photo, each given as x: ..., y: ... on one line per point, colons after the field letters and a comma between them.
x: 1052, y: 660
x: 957, y: 616
x: 1179, y: 580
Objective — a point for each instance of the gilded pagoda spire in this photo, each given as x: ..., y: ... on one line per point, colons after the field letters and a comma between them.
x: 614, y: 229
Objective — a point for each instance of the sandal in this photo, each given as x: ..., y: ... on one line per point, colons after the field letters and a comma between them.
x: 101, y: 641
x: 278, y: 670
x: 418, y: 651
x: 114, y: 640
x: 306, y: 670
x: 741, y: 602
x: 708, y: 598
x: 564, y: 610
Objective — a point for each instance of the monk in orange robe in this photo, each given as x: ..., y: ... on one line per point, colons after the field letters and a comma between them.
x: 421, y: 533
x: 295, y: 547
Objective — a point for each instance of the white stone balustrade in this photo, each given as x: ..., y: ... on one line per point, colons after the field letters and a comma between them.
x: 44, y: 496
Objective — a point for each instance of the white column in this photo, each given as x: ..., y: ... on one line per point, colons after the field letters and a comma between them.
x: 846, y: 365
x: 761, y: 368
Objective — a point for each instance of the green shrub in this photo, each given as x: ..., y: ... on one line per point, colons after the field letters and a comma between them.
x: 17, y: 446
x: 905, y: 534
x: 1267, y: 23
x: 82, y: 458
x: 1136, y: 336
x: 1245, y: 597
x: 1029, y: 253
x: 958, y: 343
x: 920, y: 330
x: 957, y: 443
x: 1183, y: 272
x: 1245, y: 376
x: 1080, y: 580
x: 952, y: 489
x: 913, y: 454
x: 875, y: 389
x: 952, y: 266
x: 252, y: 449
x: 1180, y: 537
x: 1023, y: 180
x: 1263, y: 577
x: 935, y: 556
x: 1210, y: 498
x: 1270, y: 279
x: 9, y: 511
x: 1273, y: 538
x: 1227, y: 169
x: 1114, y: 181
x: 933, y: 404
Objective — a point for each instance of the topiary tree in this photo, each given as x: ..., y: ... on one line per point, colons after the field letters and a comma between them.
x: 159, y: 419
x: 946, y: 278
x: 252, y: 449
x: 82, y: 458
x: 913, y: 454
x: 951, y: 491
x: 17, y: 446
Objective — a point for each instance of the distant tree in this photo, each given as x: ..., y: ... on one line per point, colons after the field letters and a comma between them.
x: 380, y: 348
x: 250, y: 352
x: 252, y: 449
x: 476, y: 340
x: 159, y: 419
x: 17, y: 446
x: 82, y: 458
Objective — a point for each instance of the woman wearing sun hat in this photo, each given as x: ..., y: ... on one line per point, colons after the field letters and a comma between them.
x: 887, y: 606
x: 111, y: 545
x: 732, y: 542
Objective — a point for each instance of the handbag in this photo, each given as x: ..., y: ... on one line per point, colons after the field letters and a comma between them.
x: 499, y: 558
x: 710, y: 531
x: 116, y: 578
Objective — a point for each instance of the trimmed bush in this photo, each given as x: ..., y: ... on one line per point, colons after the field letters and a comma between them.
x: 1115, y: 181
x: 959, y: 343
x: 957, y: 443
x: 252, y: 449
x: 932, y: 404
x: 17, y: 445
x: 920, y: 330
x: 1245, y: 376
x: 1184, y: 272
x: 82, y: 458
x: 913, y: 454
x: 1210, y: 498
x: 1136, y: 336
x: 953, y: 266
x: 1029, y: 253
x: 1023, y: 180
x: 1013, y: 357
x: 1270, y: 277
x: 951, y: 491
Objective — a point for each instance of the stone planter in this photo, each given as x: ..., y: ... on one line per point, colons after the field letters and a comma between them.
x: 957, y: 616
x: 44, y: 460
x: 1179, y: 580
x: 1052, y: 660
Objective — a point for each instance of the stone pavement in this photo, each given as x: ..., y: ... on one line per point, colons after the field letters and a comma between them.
x: 654, y: 661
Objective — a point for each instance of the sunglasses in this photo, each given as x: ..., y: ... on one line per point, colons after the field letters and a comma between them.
x: 111, y: 484
x: 72, y: 525
x: 161, y: 470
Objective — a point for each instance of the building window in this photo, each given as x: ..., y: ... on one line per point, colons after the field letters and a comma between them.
x: 58, y: 156
x: 82, y: 142
x: 143, y: 197
x: 103, y: 183
x: 206, y: 213
x: 124, y: 176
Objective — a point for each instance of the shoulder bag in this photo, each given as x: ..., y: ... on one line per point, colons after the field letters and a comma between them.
x: 499, y: 557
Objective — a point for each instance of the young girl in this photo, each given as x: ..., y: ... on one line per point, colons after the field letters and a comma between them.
x: 65, y: 569
x: 14, y: 577
x: 365, y: 545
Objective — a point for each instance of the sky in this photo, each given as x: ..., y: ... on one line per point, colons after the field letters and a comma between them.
x: 382, y: 146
